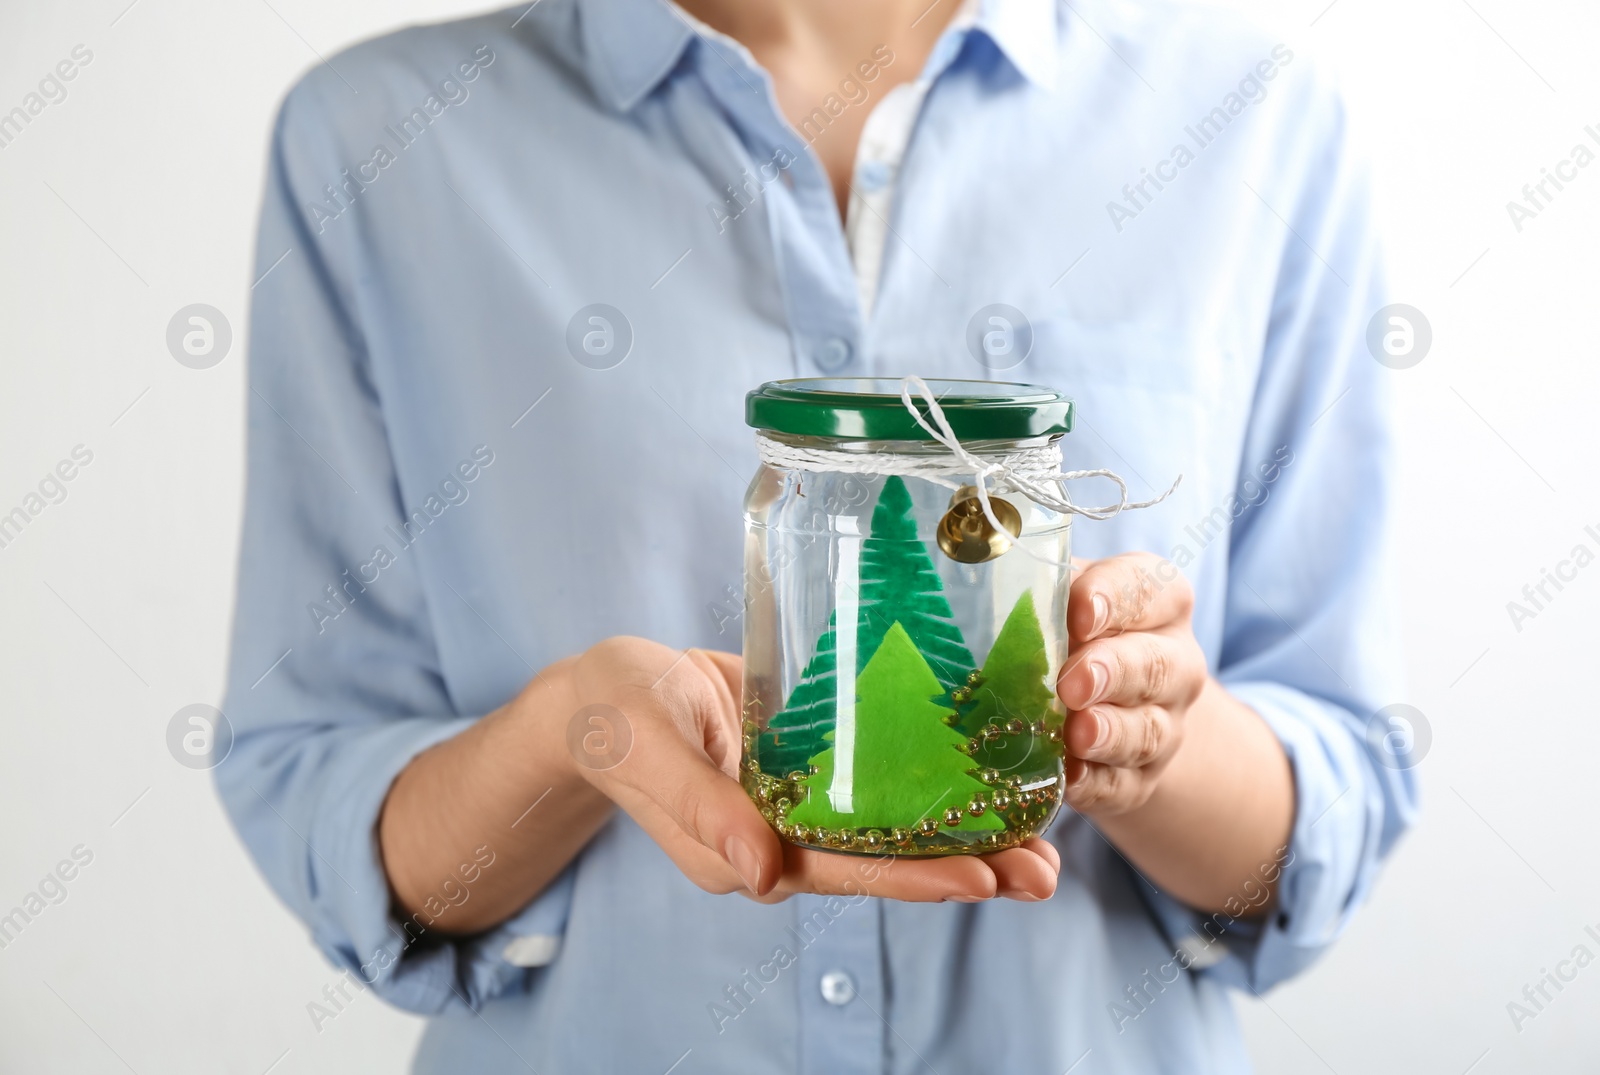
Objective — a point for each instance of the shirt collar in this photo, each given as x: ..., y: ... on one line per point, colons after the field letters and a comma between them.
x: 1025, y: 32
x: 633, y: 45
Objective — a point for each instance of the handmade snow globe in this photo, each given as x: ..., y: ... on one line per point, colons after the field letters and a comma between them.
x: 906, y: 576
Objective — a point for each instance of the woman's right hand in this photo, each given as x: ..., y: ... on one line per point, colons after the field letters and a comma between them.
x: 670, y: 759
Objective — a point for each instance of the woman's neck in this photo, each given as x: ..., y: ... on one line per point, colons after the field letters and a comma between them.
x: 836, y: 33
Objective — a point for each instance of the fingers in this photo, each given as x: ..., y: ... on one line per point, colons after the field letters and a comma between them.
x: 1096, y: 789
x: 1127, y: 736
x: 1133, y: 669
x: 1045, y: 850
x: 1026, y: 873
x: 963, y: 878
x: 1133, y: 592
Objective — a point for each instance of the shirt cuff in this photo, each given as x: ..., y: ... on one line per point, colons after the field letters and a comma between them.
x: 1347, y: 814
x: 354, y: 923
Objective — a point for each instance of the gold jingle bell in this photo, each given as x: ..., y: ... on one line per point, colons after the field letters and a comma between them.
x: 965, y: 533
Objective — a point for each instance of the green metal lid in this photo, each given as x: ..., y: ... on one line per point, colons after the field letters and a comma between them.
x: 870, y: 408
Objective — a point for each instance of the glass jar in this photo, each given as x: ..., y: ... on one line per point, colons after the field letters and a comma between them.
x: 900, y: 650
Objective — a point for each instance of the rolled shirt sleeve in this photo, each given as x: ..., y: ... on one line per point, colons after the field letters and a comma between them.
x: 1310, y: 640
x: 335, y: 681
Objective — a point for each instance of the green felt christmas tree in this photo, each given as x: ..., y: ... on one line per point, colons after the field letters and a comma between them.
x: 1013, y: 674
x: 906, y: 764
x: 898, y: 584
x: 797, y: 732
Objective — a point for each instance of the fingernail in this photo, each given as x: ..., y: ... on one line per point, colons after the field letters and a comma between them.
x: 1102, y: 613
x: 1020, y: 895
x: 1100, y: 676
x: 744, y: 862
x: 965, y: 899
x: 1101, y: 730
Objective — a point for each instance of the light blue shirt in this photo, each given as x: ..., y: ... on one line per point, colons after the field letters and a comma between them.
x: 445, y: 493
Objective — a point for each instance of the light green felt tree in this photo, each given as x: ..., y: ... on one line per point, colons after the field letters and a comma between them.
x: 898, y: 584
x: 1013, y: 674
x: 906, y: 763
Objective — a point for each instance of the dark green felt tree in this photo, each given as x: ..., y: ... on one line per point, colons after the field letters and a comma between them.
x: 906, y: 764
x: 797, y: 731
x: 898, y: 584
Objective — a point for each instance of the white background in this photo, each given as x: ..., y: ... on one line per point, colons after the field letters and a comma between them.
x: 138, y: 195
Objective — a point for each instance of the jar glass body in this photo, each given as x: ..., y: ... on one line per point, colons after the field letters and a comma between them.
x: 896, y: 700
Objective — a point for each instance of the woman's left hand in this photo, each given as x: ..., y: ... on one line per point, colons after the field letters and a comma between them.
x: 1133, y: 670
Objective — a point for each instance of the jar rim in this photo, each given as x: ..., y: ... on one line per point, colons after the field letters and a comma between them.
x: 871, y: 408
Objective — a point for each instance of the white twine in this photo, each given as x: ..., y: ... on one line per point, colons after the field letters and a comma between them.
x: 1034, y: 472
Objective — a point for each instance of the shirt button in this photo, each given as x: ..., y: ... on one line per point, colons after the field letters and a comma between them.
x: 833, y: 354
x: 837, y: 988
x: 872, y: 176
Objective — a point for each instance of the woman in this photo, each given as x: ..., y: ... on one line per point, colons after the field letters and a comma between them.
x: 517, y: 273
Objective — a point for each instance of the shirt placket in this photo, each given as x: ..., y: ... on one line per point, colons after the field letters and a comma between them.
x: 876, y: 175
x: 818, y: 282
x: 837, y: 941
x: 877, y: 168
x: 838, y: 945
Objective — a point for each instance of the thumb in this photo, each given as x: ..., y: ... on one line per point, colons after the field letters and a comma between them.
x: 666, y: 781
x: 730, y: 666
